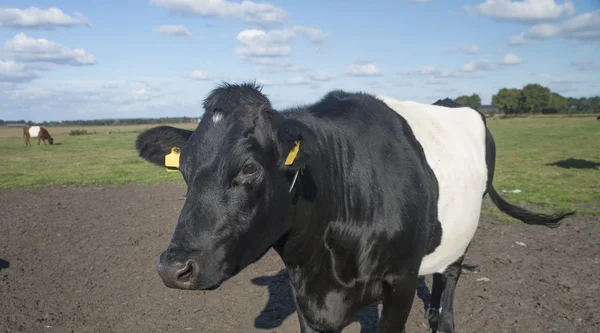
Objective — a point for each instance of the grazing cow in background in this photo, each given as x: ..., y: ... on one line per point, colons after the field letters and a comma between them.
x: 358, y: 195
x: 38, y: 132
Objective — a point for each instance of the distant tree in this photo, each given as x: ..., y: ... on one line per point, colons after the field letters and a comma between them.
x: 558, y: 103
x: 594, y: 104
x: 535, y: 97
x: 508, y: 100
x: 473, y: 101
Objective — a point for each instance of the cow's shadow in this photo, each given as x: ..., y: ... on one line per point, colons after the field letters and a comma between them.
x: 281, y: 305
x: 575, y: 163
x: 4, y: 264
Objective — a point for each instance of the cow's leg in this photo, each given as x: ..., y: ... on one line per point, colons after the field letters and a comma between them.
x: 39, y: 138
x: 442, y: 297
x: 397, y: 302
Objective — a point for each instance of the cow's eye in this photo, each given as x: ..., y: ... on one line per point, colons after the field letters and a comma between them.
x: 249, y: 169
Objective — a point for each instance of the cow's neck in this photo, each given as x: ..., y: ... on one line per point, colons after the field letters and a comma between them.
x: 323, y: 192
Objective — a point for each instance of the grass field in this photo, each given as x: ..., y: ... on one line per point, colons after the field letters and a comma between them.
x: 525, y: 147
x: 106, y: 157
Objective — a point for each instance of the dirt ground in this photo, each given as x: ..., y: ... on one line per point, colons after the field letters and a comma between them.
x: 83, y: 259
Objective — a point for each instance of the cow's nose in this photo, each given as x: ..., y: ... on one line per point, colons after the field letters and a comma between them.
x: 177, y: 274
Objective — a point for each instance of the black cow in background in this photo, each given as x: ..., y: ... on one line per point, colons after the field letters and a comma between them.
x: 358, y: 195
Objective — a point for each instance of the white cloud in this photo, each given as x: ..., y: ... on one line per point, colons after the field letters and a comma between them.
x: 564, y: 80
x: 526, y: 10
x: 264, y: 38
x: 468, y: 48
x: 264, y: 82
x: 198, y: 75
x: 268, y: 48
x: 425, y: 70
x: 448, y: 74
x: 447, y: 90
x: 517, y: 40
x: 363, y: 67
x: 435, y: 80
x: 37, y: 18
x: 510, y: 59
x: 584, y: 27
x: 282, y: 69
x: 322, y: 76
x: 84, y: 99
x: 262, y: 14
x: 264, y: 51
x: 439, y: 76
x: 27, y: 49
x: 477, y: 66
x: 260, y: 43
x: 297, y: 80
x: 173, y: 30
x: 14, y: 72
x: 314, y: 35
x: 268, y: 61
x: 273, y: 43
x: 560, y: 84
x: 585, y: 65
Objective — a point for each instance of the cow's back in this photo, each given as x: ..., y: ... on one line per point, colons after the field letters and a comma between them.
x: 34, y: 131
x: 453, y: 140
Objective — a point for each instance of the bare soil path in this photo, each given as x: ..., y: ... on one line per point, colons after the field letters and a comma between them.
x: 83, y: 259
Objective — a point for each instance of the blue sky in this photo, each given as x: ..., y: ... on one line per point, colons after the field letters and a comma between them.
x: 72, y: 59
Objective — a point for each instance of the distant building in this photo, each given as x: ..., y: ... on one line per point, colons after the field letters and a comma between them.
x: 487, y: 109
x: 447, y: 102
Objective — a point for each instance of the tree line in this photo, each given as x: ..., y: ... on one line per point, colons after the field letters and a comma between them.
x: 533, y: 98
x: 104, y: 122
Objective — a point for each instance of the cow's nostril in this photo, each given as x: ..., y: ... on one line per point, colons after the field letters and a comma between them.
x: 186, y: 273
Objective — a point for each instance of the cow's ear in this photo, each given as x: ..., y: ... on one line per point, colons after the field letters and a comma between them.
x: 153, y: 144
x: 296, y: 144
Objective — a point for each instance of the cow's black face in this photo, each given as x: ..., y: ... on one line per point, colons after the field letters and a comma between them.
x: 237, y: 186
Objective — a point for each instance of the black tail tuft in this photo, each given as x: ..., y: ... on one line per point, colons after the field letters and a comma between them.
x: 551, y: 221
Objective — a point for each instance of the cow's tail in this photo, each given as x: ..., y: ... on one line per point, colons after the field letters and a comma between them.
x: 524, y: 215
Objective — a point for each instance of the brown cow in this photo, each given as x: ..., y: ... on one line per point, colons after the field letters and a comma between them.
x: 36, y: 132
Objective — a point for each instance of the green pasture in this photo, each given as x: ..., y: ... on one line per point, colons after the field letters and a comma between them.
x: 525, y: 148
x: 106, y: 155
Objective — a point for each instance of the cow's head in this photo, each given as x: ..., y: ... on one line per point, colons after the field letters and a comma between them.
x: 238, y: 182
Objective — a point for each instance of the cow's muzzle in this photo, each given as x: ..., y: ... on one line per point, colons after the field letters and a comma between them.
x: 176, y: 273
x: 178, y: 270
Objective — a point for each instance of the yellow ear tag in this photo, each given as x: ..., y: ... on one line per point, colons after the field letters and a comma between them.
x: 172, y: 160
x: 293, y: 153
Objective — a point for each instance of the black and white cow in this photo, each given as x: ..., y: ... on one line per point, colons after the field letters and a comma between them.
x: 379, y: 193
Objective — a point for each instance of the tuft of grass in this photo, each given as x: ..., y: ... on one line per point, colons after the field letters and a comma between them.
x: 80, y: 132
